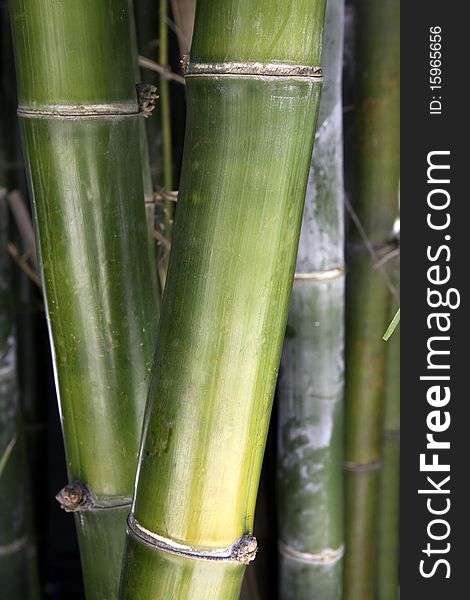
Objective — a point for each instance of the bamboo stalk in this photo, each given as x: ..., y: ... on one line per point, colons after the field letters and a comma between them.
x: 167, y: 157
x: 251, y: 117
x: 80, y: 124
x: 368, y: 287
x: 25, y: 283
x: 389, y: 497
x: 146, y: 171
x: 146, y: 13
x: 310, y: 434
x: 18, y: 565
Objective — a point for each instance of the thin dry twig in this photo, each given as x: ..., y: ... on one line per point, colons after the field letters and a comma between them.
x: 25, y: 227
x: 377, y: 259
x: 162, y: 239
x: 24, y: 266
x: 147, y: 63
x: 182, y: 41
x: 162, y: 194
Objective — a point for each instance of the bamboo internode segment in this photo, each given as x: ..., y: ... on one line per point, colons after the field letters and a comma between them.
x: 81, y: 127
x: 310, y: 386
x: 388, y: 523
x: 328, y: 555
x: 369, y: 290
x: 255, y: 69
x: 243, y: 550
x: 247, y: 151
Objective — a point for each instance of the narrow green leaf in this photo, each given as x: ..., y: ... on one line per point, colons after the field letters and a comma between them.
x: 7, y: 453
x: 393, y: 325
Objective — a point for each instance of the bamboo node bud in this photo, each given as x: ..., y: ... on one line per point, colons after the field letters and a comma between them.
x: 184, y: 62
x: 75, y: 496
x: 147, y: 96
x: 245, y: 549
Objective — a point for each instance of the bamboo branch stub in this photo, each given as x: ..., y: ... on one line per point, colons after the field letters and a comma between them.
x: 147, y: 97
x: 77, y: 497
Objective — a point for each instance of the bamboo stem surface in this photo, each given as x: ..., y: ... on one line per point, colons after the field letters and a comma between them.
x: 369, y: 290
x: 245, y: 168
x: 80, y: 123
x: 310, y: 445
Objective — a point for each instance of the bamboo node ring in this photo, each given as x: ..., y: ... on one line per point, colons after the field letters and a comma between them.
x: 75, y: 497
x: 256, y: 69
x: 327, y: 556
x: 242, y: 551
x: 362, y: 467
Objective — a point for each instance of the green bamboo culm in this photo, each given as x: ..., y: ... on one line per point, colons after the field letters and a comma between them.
x: 146, y: 16
x: 28, y: 311
x: 18, y: 564
x: 253, y: 87
x: 166, y: 214
x: 145, y: 162
x: 388, y: 545
x: 376, y: 174
x: 310, y: 430
x: 79, y: 117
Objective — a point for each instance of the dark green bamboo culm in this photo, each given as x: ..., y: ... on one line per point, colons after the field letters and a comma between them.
x: 28, y: 302
x: 166, y: 215
x: 79, y: 116
x: 18, y: 562
x: 151, y: 91
x: 376, y: 174
x: 253, y: 87
x: 389, y: 499
x: 310, y: 435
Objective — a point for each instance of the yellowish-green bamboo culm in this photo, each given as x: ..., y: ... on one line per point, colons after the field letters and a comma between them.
x: 369, y: 288
x: 79, y: 116
x: 253, y: 87
x: 311, y: 382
